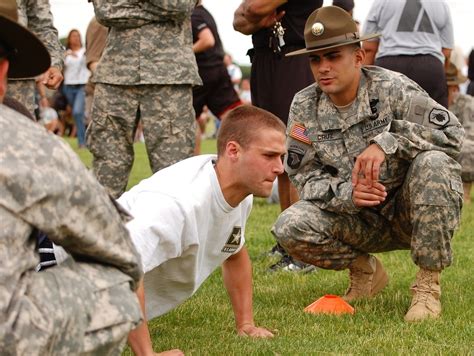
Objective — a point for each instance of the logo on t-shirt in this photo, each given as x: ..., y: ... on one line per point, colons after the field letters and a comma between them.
x: 233, y: 242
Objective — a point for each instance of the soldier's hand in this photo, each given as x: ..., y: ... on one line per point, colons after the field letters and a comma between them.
x: 368, y: 164
x: 364, y: 195
x: 52, y: 78
x: 254, y: 331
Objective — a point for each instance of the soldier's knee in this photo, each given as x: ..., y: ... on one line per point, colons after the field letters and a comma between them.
x: 434, y: 179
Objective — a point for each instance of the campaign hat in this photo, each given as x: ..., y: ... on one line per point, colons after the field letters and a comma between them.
x: 328, y: 27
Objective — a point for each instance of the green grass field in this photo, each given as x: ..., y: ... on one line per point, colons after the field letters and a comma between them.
x: 204, y: 324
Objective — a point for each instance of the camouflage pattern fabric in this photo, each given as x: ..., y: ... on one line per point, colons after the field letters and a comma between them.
x: 36, y: 16
x: 86, y: 305
x: 168, y: 121
x: 463, y: 108
x: 157, y: 53
x: 395, y: 113
x: 24, y: 92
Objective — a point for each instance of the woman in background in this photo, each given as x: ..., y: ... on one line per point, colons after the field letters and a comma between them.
x: 76, y: 75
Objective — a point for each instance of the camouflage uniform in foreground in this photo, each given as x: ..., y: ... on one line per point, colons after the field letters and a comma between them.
x: 86, y: 305
x: 419, y: 138
x: 145, y: 73
x: 36, y: 16
x: 463, y: 108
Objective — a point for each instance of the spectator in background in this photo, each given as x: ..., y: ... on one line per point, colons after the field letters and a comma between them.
x: 36, y: 16
x: 462, y: 105
x: 245, y: 93
x: 96, y: 36
x: 347, y: 5
x: 470, y: 73
x: 76, y: 75
x: 217, y: 91
x: 417, y: 39
x: 235, y: 73
x: 275, y: 79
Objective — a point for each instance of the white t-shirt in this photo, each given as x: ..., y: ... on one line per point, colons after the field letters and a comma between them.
x: 183, y: 229
x: 75, y: 69
x: 411, y: 28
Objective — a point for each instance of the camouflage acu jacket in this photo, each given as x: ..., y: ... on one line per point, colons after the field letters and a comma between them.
x: 389, y: 110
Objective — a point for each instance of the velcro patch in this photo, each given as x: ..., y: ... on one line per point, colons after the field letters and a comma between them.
x: 299, y: 132
x: 439, y: 117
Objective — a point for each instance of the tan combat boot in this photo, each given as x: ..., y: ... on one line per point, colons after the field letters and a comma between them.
x: 426, y: 293
x: 367, y: 278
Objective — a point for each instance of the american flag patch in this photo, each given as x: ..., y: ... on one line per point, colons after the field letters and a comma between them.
x: 298, y: 132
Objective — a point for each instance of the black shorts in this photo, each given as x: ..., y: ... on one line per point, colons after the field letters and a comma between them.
x: 276, y: 79
x: 424, y: 69
x: 217, y: 92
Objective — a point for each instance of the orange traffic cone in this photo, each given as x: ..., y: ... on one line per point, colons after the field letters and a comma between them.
x: 330, y: 304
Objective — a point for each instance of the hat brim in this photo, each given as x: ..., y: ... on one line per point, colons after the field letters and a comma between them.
x: 460, y: 79
x: 342, y: 43
x: 30, y: 57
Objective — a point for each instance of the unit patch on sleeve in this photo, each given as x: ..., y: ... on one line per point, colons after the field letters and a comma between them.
x: 233, y: 242
x: 439, y: 117
x: 295, y: 156
x: 299, y: 132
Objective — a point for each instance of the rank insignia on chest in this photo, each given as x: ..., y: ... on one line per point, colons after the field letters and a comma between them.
x: 300, y: 133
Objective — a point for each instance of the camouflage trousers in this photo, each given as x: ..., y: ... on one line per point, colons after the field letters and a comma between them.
x: 24, y: 92
x: 167, y: 115
x: 72, y: 309
x: 421, y: 215
x: 466, y: 159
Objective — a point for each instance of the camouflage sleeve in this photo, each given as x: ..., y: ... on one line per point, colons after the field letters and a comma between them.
x: 421, y: 124
x: 311, y: 178
x: 40, y: 22
x: 65, y: 201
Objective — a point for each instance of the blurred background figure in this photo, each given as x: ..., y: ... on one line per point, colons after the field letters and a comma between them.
x: 245, y: 93
x: 96, y: 36
x: 235, y: 73
x: 76, y: 76
x: 470, y: 73
x: 347, y: 5
x: 462, y: 105
x: 417, y: 39
x: 217, y: 92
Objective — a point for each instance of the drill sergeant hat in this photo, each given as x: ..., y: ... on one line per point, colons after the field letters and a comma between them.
x: 27, y: 55
x: 328, y: 27
x: 454, y: 76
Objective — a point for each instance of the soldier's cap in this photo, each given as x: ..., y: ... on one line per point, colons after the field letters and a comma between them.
x: 27, y: 55
x: 328, y: 27
x: 454, y: 75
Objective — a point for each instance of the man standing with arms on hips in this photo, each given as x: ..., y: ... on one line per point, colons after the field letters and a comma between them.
x: 146, y: 73
x: 371, y: 155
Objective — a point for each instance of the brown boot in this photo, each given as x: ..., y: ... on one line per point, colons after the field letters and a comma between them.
x: 367, y: 278
x: 426, y: 293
